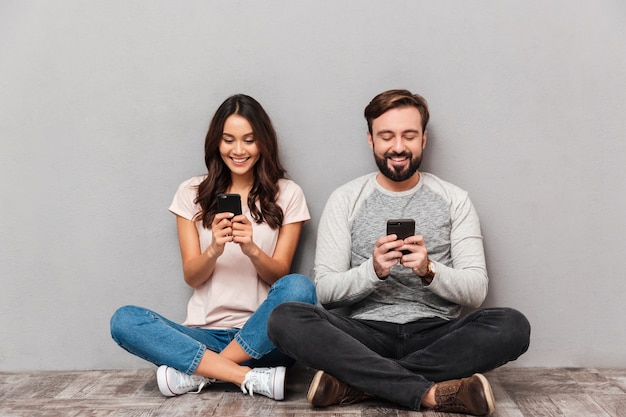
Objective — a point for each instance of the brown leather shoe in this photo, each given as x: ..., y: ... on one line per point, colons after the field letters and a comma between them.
x: 327, y: 390
x: 468, y: 395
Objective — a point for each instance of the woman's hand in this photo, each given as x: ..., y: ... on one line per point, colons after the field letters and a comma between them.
x: 242, y: 235
x: 222, y: 230
x: 198, y: 266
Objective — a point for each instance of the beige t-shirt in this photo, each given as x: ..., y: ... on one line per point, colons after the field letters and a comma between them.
x: 234, y: 291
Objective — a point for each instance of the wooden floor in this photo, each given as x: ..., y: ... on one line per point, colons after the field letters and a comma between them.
x: 518, y: 392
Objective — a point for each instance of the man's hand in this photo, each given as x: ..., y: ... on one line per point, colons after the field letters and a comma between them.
x: 417, y: 259
x: 386, y: 254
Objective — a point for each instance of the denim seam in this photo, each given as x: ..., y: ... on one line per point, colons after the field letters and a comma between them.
x: 418, y: 405
x: 196, y: 360
x: 246, y: 348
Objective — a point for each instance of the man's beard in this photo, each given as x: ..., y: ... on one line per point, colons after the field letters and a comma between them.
x: 395, y: 174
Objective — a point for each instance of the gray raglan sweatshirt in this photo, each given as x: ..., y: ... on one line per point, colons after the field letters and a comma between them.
x: 355, y: 217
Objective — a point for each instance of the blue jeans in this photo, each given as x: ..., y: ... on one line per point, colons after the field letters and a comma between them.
x: 156, y: 339
x: 399, y: 362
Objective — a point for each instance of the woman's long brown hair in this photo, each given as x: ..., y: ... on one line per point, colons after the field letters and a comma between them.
x: 267, y: 170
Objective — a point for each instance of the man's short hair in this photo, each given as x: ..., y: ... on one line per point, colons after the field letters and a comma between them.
x: 392, y: 99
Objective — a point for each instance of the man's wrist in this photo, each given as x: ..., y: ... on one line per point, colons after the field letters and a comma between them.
x: 430, y: 272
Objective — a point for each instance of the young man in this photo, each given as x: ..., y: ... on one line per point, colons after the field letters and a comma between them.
x: 403, y: 338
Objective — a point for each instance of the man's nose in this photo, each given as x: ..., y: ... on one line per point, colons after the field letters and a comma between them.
x: 398, y: 144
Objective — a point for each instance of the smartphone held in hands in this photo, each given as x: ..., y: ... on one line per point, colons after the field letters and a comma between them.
x: 230, y: 203
x: 402, y: 228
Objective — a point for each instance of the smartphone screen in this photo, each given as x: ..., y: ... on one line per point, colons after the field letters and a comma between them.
x: 402, y: 228
x: 229, y: 203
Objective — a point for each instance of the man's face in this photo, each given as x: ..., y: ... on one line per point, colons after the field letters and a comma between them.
x: 397, y: 141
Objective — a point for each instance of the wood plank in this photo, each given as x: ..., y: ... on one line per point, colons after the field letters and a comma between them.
x: 614, y: 405
x: 618, y: 376
x: 593, y: 381
x: 578, y: 405
x: 519, y: 392
x: 202, y: 404
x: 505, y: 404
x: 537, y: 405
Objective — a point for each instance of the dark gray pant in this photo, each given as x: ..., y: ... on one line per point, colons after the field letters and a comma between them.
x: 398, y: 362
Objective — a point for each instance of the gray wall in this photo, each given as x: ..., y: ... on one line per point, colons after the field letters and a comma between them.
x: 104, y: 106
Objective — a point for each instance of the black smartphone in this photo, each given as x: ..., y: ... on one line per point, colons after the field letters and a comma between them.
x: 229, y: 203
x: 402, y: 228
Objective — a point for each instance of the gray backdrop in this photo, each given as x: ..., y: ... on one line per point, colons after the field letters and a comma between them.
x: 104, y: 106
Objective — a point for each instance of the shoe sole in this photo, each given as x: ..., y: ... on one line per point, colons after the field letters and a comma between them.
x: 162, y: 382
x: 491, y: 401
x: 279, y: 383
x: 313, y: 387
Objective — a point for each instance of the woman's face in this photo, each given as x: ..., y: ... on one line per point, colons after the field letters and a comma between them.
x: 238, y: 146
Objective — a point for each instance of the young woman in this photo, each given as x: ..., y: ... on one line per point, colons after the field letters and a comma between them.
x: 234, y: 263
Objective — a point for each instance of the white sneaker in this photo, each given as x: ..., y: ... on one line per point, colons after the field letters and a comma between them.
x: 172, y: 382
x: 265, y: 381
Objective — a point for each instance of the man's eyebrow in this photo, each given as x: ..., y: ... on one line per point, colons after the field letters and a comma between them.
x: 387, y: 131
x: 383, y: 132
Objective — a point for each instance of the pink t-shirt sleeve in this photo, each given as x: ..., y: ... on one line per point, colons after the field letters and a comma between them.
x: 291, y: 199
x: 183, y: 203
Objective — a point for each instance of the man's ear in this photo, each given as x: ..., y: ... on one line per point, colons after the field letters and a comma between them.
x: 370, y: 140
x: 424, y: 139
